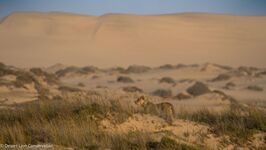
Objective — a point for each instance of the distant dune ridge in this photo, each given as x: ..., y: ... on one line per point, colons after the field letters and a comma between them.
x: 42, y: 39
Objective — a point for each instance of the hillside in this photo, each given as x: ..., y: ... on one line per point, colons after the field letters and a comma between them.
x: 123, y: 39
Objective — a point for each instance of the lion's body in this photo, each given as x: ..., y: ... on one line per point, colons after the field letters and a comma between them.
x: 164, y: 109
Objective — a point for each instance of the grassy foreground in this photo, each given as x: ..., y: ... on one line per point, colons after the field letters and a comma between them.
x: 76, y: 124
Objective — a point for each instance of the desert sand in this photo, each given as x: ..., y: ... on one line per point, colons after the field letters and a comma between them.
x: 207, y: 69
x: 220, y: 90
x: 123, y: 39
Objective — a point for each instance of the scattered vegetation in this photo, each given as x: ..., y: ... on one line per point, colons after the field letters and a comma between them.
x: 221, y: 77
x: 49, y: 78
x: 164, y: 93
x: 125, y: 79
x: 239, y: 123
x: 4, y: 70
x: 65, y: 71
x: 69, y: 124
x: 132, y: 89
x: 23, y: 78
x: 168, y: 80
x: 137, y: 69
x: 247, y: 70
x: 167, y: 66
x: 255, y: 88
x: 178, y: 66
x: 89, y: 69
x: 198, y: 88
x: 119, y: 69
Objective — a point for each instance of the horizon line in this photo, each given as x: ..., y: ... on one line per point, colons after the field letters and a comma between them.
x: 133, y: 14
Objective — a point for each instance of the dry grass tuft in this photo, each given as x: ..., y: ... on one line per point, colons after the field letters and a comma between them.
x: 239, y: 123
x: 70, y: 124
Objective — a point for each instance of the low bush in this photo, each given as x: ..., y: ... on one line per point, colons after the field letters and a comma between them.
x: 132, y: 89
x: 89, y: 69
x: 125, y: 79
x: 49, y: 78
x: 255, y: 88
x: 167, y: 66
x: 164, y: 93
x: 198, y: 88
x: 221, y: 77
x: 168, y: 80
x: 137, y: 69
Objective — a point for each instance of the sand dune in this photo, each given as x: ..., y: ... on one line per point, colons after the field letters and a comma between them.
x: 122, y: 39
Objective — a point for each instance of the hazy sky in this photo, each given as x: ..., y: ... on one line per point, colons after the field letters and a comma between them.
x: 98, y: 7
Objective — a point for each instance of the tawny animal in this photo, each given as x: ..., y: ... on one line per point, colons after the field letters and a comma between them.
x: 164, y: 109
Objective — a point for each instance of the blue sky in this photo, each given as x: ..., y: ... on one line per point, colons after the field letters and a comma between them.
x: 99, y: 7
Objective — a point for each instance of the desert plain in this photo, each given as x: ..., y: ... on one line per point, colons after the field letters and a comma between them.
x: 72, y: 81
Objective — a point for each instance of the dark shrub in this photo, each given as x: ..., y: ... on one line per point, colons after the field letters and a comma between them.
x: 167, y: 66
x: 89, y: 69
x: 221, y: 77
x: 4, y: 70
x: 49, y: 78
x: 137, y: 69
x: 63, y: 72
x: 255, y: 88
x: 198, y: 88
x: 168, y: 80
x: 162, y: 93
x: 37, y: 71
x: 25, y: 78
x: 178, y: 66
x: 132, y: 89
x: 124, y: 79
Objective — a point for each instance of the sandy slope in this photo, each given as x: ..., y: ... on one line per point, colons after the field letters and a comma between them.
x: 120, y: 39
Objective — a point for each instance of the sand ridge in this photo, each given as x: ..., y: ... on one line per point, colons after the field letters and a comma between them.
x: 124, y: 39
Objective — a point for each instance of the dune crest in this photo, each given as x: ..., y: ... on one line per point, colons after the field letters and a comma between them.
x: 123, y: 39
